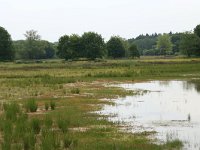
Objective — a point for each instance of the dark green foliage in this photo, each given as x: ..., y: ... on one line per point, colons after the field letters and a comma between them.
x: 63, y: 46
x: 31, y: 105
x: 33, y: 47
x: 145, y: 42
x: 69, y: 47
x: 52, y: 105
x: 197, y: 30
x: 176, y: 38
x: 133, y: 51
x: 35, y: 125
x: 93, y: 45
x: 115, y: 47
x: 190, y: 44
x: 6, y: 49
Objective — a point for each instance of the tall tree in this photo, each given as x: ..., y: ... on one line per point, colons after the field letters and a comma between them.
x: 32, y: 50
x: 76, y: 46
x: 115, y: 47
x: 6, y: 49
x: 133, y: 51
x: 69, y: 47
x: 63, y: 45
x: 93, y: 45
x: 164, y: 44
x: 197, y: 30
x: 190, y: 44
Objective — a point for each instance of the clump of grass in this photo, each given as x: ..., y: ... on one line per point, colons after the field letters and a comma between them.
x: 46, y: 106
x: 29, y: 141
x: 174, y: 144
x: 69, y: 142
x: 50, y: 140
x: 75, y: 91
x: 48, y: 122
x: 63, y: 124
x: 52, y: 105
x: 31, y: 106
x: 11, y: 111
x: 35, y: 125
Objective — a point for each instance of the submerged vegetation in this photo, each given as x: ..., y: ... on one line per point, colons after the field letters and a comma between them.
x: 48, y: 105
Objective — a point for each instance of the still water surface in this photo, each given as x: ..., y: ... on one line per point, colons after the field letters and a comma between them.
x: 172, y: 108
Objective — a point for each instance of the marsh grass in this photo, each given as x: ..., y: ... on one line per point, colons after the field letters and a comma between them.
x: 46, y: 106
x: 53, y: 104
x: 75, y: 91
x: 35, y: 125
x: 63, y: 124
x: 31, y: 105
x: 52, y: 83
x: 48, y: 122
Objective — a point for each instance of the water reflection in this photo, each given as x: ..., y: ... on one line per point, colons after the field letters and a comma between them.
x: 171, y: 109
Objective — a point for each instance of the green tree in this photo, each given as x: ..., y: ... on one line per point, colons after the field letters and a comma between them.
x: 63, y: 45
x: 116, y: 47
x: 33, y: 47
x: 190, y: 44
x: 93, y: 45
x: 133, y: 51
x: 6, y: 49
x: 75, y: 46
x: 164, y: 44
x: 197, y: 30
x: 69, y: 47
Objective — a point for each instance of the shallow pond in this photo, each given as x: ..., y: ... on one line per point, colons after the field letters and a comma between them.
x: 171, y: 108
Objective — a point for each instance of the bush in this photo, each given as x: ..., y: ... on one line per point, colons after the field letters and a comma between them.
x: 31, y: 106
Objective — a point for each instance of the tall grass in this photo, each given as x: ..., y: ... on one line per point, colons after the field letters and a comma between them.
x: 31, y: 106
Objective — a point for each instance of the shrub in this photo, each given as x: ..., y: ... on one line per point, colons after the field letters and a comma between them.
x: 31, y: 106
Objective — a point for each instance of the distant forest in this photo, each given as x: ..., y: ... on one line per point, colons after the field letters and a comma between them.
x: 92, y: 45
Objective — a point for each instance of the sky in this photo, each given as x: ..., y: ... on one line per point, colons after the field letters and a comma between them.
x: 126, y: 18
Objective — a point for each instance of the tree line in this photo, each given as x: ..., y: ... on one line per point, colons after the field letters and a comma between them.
x: 92, y: 45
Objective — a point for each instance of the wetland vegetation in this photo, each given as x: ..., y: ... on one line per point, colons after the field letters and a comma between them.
x: 51, y: 104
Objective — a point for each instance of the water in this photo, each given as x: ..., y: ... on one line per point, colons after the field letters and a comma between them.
x: 171, y: 108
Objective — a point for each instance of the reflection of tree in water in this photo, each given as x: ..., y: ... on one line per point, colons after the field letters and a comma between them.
x: 193, y: 84
x: 164, y: 83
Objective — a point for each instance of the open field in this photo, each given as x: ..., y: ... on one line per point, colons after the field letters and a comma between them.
x: 65, y: 94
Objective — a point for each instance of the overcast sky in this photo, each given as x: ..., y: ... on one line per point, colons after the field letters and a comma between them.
x: 127, y: 18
